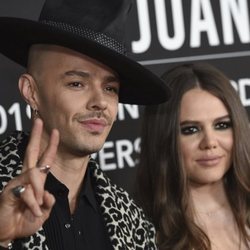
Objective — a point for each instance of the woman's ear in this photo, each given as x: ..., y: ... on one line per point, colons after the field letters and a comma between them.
x: 28, y: 90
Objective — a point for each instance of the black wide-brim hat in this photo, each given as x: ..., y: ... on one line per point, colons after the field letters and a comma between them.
x: 92, y: 27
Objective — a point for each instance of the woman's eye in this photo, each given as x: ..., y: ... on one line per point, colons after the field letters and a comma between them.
x: 223, y: 125
x: 188, y: 130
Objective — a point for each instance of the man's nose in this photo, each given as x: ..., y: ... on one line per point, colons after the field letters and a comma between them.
x: 97, y: 99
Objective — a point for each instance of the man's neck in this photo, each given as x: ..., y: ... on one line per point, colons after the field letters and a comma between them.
x: 69, y: 168
x: 71, y: 173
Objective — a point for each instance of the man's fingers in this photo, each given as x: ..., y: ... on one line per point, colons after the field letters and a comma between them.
x: 33, y: 148
x: 27, y: 189
x: 18, y: 190
x: 49, y: 154
x: 37, y: 176
x: 48, y: 203
x: 34, y: 178
x: 45, y: 163
x: 37, y: 180
x: 28, y: 197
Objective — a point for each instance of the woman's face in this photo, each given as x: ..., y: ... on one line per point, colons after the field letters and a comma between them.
x: 206, y: 137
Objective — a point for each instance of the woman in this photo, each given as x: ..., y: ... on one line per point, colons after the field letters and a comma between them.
x: 194, y: 173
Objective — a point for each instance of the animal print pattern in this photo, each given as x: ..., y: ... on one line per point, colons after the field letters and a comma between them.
x: 126, y: 223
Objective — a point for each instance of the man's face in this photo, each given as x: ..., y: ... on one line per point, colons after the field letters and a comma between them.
x: 78, y: 96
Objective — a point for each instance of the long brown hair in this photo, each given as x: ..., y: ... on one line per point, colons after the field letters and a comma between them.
x: 161, y: 178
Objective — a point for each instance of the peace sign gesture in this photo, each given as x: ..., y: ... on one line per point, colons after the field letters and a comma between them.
x: 24, y: 204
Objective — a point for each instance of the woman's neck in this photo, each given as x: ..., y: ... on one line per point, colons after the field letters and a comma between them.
x: 208, y: 198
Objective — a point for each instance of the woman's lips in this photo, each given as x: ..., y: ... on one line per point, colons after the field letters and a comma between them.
x: 209, y: 161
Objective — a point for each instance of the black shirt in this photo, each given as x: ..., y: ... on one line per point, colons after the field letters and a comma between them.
x: 82, y: 230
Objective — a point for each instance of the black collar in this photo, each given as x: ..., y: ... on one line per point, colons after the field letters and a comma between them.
x: 55, y: 187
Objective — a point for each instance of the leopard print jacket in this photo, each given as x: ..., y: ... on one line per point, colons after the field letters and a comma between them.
x: 127, y: 227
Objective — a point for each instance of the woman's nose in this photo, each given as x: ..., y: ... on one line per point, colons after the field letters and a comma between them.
x: 209, y: 140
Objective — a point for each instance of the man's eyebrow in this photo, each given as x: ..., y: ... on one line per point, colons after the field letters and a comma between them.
x: 108, y: 78
x: 111, y: 78
x: 76, y: 73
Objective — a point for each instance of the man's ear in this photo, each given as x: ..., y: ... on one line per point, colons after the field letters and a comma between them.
x: 28, y: 90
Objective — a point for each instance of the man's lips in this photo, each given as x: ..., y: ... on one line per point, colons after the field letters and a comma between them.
x: 209, y: 161
x: 94, y: 125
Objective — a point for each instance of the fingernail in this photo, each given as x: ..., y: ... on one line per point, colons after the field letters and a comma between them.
x: 44, y: 169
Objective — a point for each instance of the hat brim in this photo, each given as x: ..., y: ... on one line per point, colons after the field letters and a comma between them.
x: 138, y: 84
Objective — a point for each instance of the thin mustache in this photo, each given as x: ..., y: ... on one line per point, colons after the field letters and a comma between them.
x: 94, y: 115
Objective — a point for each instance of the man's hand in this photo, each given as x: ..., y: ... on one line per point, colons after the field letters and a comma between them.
x: 24, y: 215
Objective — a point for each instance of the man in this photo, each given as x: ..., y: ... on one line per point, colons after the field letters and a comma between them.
x: 54, y: 196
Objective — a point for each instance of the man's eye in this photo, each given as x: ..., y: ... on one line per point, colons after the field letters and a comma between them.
x: 189, y: 130
x: 223, y: 125
x: 75, y: 84
x: 112, y: 89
